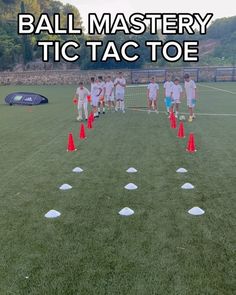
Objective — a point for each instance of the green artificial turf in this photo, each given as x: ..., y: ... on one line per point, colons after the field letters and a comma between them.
x: 90, y: 249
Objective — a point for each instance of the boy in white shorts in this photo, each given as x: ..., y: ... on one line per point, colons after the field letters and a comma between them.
x: 96, y: 91
x: 109, y: 92
x: 152, y: 95
x: 190, y: 90
x: 167, y: 93
x: 81, y: 94
x: 101, y: 102
x: 120, y: 85
x: 176, y: 95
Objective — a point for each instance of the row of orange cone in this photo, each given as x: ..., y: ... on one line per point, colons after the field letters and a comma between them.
x: 82, y: 135
x: 191, y: 148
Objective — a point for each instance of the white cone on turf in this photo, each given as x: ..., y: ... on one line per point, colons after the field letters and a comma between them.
x: 181, y: 170
x: 131, y: 186
x: 187, y: 186
x: 65, y: 187
x: 131, y: 170
x: 126, y: 212
x: 196, y: 211
x: 77, y: 170
x: 52, y: 214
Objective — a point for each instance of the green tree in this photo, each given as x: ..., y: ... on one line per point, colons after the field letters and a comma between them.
x: 27, y: 49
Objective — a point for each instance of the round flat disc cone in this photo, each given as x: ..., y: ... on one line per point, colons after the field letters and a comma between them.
x: 77, y: 170
x: 187, y: 186
x: 126, y: 212
x: 65, y: 187
x: 131, y: 186
x: 181, y: 170
x: 131, y: 170
x: 52, y: 214
x: 196, y: 211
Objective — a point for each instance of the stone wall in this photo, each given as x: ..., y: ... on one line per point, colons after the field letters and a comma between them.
x: 53, y: 77
x: 67, y: 77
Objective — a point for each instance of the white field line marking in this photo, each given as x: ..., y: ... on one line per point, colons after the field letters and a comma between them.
x: 200, y: 114
x: 202, y: 85
x: 137, y: 85
x: 216, y: 88
x: 207, y: 86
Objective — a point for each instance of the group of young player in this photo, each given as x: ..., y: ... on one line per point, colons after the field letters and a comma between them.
x: 101, y: 93
x: 173, y: 93
x: 112, y: 94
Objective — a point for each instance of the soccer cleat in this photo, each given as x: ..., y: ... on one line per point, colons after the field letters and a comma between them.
x: 103, y: 113
x: 123, y: 111
x: 194, y: 116
x: 190, y: 119
x: 156, y: 111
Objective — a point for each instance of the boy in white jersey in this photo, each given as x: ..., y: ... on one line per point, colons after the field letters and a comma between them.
x: 81, y: 94
x: 176, y: 95
x: 120, y: 85
x: 190, y: 90
x: 101, y: 102
x: 109, y: 92
x: 167, y: 92
x: 96, y: 91
x: 152, y: 95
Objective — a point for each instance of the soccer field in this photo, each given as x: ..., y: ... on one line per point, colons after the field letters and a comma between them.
x: 90, y: 249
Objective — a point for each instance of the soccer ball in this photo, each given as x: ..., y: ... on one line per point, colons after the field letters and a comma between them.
x: 182, y: 118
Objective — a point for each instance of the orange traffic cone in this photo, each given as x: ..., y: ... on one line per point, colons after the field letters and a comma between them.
x: 89, y: 98
x: 171, y: 115
x: 173, y: 122
x: 90, y: 123
x: 181, y: 133
x: 71, y: 146
x: 82, y: 134
x: 191, y: 148
x: 75, y: 101
x: 92, y: 116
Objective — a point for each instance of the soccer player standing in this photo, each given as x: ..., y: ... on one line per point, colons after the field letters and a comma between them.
x: 152, y: 95
x: 96, y: 91
x: 190, y: 90
x: 120, y: 84
x: 167, y: 93
x: 101, y: 102
x: 109, y: 92
x: 176, y: 95
x: 81, y: 94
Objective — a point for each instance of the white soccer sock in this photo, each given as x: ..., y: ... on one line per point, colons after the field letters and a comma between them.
x: 86, y: 113
x: 122, y: 105
x: 117, y: 105
x: 80, y: 114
